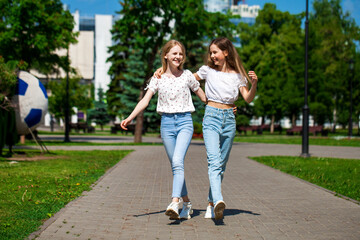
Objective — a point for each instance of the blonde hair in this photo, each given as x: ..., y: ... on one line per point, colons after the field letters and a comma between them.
x: 232, y: 59
x: 166, y: 48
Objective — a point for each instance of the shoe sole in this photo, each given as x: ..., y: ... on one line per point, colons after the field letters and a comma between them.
x: 219, y: 210
x: 172, y: 214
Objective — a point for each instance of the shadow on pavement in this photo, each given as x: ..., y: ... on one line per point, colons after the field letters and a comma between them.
x: 230, y: 212
x: 147, y: 214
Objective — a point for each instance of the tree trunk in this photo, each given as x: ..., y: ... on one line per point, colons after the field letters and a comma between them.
x: 293, y: 120
x: 148, y: 73
x: 272, y: 124
x: 139, y: 122
x: 334, y: 123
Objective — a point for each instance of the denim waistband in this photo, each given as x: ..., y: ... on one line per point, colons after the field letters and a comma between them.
x: 218, y: 110
x: 181, y: 114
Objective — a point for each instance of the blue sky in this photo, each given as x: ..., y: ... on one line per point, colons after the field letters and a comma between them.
x: 92, y: 7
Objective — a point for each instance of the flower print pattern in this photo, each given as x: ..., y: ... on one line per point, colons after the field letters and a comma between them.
x: 174, y: 92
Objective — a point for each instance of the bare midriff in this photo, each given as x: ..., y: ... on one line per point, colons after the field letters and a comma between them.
x: 220, y: 105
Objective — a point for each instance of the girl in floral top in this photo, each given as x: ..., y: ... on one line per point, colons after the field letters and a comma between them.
x: 175, y: 107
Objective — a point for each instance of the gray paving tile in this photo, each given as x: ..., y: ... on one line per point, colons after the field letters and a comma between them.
x: 262, y: 203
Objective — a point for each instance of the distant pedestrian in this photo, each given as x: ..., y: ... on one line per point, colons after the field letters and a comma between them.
x: 175, y: 106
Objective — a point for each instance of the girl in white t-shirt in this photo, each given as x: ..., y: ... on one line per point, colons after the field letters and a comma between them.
x: 175, y: 106
x: 224, y: 77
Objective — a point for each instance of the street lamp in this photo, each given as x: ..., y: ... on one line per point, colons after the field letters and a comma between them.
x: 351, y: 68
x: 305, y: 132
x: 67, y: 111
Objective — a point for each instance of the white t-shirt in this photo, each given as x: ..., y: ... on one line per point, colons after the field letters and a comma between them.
x: 221, y: 87
x: 174, y: 92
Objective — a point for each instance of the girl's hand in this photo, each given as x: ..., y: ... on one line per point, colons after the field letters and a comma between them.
x: 124, y: 124
x: 253, y: 77
x: 158, y: 73
x: 235, y: 110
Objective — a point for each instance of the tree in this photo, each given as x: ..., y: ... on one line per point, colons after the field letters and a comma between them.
x: 8, y: 133
x: 142, y: 30
x: 99, y: 113
x: 78, y: 97
x: 332, y: 36
x: 271, y: 47
x: 32, y: 30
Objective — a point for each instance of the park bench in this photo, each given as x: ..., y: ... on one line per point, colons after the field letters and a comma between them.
x: 277, y: 127
x: 248, y: 128
x: 312, y: 129
x: 318, y: 129
x: 293, y: 130
x: 81, y: 126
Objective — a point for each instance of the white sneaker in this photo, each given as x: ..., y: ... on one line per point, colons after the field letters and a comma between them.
x: 186, y: 210
x: 173, y: 210
x: 209, y: 212
x: 219, y: 209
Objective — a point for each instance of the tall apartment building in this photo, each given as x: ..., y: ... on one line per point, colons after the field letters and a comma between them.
x: 98, y: 32
x: 89, y: 55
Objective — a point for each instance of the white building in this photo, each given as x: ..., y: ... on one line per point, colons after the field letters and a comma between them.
x: 89, y: 55
x: 248, y: 13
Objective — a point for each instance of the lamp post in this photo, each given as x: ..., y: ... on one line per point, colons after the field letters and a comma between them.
x: 67, y: 112
x: 305, y: 132
x: 351, y: 68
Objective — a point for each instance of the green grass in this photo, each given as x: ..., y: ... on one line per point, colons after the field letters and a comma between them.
x: 338, y: 175
x: 284, y: 139
x: 33, y: 191
x: 62, y: 143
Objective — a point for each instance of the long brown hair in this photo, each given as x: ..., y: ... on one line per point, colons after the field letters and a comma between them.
x: 166, y: 48
x: 232, y: 59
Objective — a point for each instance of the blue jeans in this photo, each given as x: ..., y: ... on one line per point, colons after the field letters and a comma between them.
x: 176, y: 133
x: 219, y: 128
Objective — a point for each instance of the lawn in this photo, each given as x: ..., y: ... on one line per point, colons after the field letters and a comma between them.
x: 62, y: 143
x: 337, y: 139
x: 285, y: 139
x: 338, y: 175
x: 32, y: 191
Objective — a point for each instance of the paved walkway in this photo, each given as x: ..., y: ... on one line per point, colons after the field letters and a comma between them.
x: 262, y: 203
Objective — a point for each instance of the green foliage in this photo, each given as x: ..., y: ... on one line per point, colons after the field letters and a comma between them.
x: 8, y: 80
x: 339, y: 175
x: 99, y: 113
x: 7, y: 83
x: 142, y: 30
x: 78, y: 96
x: 271, y: 47
x: 197, y: 127
x: 31, y: 31
x: 332, y: 35
x: 31, y: 192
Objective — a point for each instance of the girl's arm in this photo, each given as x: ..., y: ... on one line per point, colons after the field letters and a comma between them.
x: 246, y: 94
x: 142, y: 104
x: 200, y: 93
x: 197, y: 76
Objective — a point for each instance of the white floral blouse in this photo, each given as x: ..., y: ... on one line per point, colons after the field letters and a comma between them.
x: 174, y: 92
